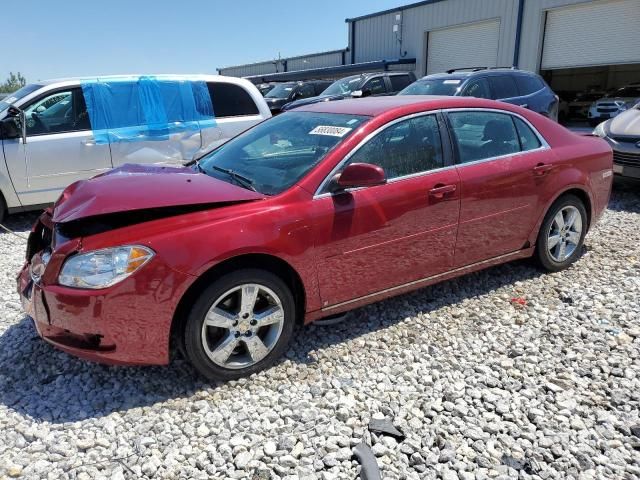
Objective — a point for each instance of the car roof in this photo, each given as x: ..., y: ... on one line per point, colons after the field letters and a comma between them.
x: 460, y: 74
x: 374, y: 106
x: 194, y: 77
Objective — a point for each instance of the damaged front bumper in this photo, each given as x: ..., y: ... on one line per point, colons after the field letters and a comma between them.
x: 128, y: 323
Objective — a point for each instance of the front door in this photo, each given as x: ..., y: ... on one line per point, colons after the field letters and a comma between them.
x: 60, y: 148
x: 501, y: 163
x: 371, y: 239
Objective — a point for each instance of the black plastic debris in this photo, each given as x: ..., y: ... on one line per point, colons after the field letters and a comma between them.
x: 369, y: 466
x: 385, y: 426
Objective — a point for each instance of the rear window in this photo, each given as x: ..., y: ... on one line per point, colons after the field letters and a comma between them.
x: 398, y: 82
x: 231, y: 100
x: 503, y: 86
x: 528, y: 84
x: 433, y: 87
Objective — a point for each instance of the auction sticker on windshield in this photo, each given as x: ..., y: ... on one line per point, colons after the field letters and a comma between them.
x: 330, y: 130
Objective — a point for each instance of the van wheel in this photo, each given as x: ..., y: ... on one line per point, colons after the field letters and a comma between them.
x: 562, y: 234
x: 240, y: 324
x: 3, y: 208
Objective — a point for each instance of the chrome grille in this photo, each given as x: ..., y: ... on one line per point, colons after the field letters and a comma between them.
x: 628, y: 159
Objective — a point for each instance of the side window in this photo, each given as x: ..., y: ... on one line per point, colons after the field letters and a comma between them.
x: 230, y: 100
x: 503, y: 86
x: 408, y: 147
x: 478, y: 88
x: 528, y: 84
x: 528, y: 139
x: 479, y: 135
x: 306, y: 91
x: 375, y: 86
x: 59, y: 112
x: 399, y: 82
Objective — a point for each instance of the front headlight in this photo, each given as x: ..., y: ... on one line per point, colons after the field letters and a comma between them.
x: 600, y: 131
x: 103, y: 268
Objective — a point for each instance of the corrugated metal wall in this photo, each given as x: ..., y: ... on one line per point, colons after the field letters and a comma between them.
x: 326, y: 59
x: 303, y: 62
x: 533, y: 30
x: 375, y: 38
x: 250, y: 69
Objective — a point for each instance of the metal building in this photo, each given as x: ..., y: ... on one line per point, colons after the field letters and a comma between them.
x: 303, y: 62
x: 575, y: 44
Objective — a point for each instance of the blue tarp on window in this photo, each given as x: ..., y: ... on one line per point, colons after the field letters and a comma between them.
x: 130, y: 109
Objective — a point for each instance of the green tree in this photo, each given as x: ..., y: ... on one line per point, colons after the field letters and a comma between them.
x: 13, y: 83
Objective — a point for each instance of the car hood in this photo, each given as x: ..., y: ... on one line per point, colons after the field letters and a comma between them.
x: 135, y: 188
x: 626, y: 123
x: 311, y: 100
x: 275, y: 102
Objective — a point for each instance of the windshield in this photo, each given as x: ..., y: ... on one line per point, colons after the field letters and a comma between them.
x: 277, y: 153
x: 344, y: 86
x: 15, y: 96
x: 280, y: 91
x: 433, y: 87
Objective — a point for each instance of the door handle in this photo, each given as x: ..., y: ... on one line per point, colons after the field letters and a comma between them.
x: 439, y: 191
x: 542, y: 169
x: 89, y: 141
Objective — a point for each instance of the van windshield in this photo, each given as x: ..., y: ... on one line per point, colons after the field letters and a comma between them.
x: 17, y: 95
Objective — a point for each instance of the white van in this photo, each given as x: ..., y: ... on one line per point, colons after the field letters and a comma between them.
x: 56, y: 132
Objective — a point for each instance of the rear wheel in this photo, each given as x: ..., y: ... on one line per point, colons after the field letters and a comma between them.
x: 240, y: 324
x: 562, y: 234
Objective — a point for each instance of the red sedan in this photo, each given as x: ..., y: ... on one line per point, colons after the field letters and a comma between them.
x: 308, y: 214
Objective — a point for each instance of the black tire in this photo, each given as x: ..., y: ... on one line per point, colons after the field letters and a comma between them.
x: 543, y: 256
x: 192, y: 337
x: 3, y: 208
x: 594, y: 122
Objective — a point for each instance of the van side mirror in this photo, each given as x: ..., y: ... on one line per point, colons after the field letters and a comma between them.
x: 357, y: 94
x: 10, y: 128
x: 15, y: 120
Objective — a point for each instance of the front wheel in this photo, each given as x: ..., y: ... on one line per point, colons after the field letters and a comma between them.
x: 562, y: 234
x: 240, y: 324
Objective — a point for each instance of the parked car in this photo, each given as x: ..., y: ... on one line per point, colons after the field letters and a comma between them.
x: 518, y: 87
x: 614, y: 104
x: 265, y: 88
x: 579, y: 106
x: 623, y: 135
x: 308, y: 214
x: 286, y: 92
x: 56, y: 132
x: 356, y: 86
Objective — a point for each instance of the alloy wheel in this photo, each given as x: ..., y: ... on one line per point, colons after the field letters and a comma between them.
x: 242, y: 326
x: 564, y: 233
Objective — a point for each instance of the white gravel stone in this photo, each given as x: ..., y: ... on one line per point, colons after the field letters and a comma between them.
x: 481, y: 388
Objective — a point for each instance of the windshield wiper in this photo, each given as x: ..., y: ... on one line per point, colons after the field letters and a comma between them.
x: 239, y: 179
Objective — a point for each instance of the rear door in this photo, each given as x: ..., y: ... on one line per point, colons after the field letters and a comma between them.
x: 146, y: 119
x: 371, y: 239
x: 60, y: 148
x: 399, y: 82
x: 234, y: 112
x: 504, y: 88
x: 503, y: 164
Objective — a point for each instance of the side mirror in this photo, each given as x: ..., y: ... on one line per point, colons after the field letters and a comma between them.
x: 10, y: 128
x: 16, y: 117
x: 360, y: 175
x: 357, y: 94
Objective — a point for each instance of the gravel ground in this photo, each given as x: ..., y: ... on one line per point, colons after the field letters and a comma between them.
x: 481, y: 385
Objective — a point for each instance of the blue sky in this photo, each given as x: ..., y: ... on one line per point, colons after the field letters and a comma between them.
x: 49, y: 39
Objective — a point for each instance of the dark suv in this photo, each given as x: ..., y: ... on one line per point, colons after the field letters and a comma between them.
x: 363, y: 85
x: 518, y: 87
x: 283, y: 93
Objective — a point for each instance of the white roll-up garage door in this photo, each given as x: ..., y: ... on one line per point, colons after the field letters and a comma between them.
x: 596, y: 33
x: 471, y: 45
